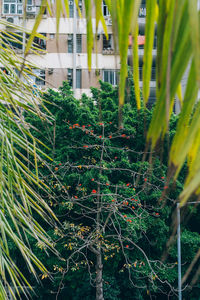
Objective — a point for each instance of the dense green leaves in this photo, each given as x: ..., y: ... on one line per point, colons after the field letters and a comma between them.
x: 178, y: 42
x: 128, y: 205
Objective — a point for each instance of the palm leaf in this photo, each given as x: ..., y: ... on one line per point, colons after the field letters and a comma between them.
x: 19, y: 174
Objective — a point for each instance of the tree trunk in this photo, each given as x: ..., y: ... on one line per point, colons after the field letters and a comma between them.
x: 99, y: 277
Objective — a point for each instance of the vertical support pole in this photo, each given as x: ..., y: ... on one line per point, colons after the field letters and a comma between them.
x: 74, y: 46
x: 24, y: 26
x: 179, y: 250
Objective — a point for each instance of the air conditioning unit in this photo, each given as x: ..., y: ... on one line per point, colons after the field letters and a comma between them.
x: 41, y: 72
x: 30, y: 9
x: 69, y: 37
x: 109, y: 22
x: 50, y: 71
x: 13, y: 20
x: 80, y: 3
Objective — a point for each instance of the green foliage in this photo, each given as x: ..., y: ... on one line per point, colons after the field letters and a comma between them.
x: 99, y: 167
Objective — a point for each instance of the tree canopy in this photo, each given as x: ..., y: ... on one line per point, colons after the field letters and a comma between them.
x: 178, y: 48
x: 107, y: 200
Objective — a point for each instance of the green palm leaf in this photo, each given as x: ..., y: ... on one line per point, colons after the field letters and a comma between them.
x: 19, y: 174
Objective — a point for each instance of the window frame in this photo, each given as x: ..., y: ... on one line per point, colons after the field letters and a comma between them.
x: 78, y: 79
x: 111, y: 72
x: 79, y: 43
x: 41, y: 73
x: 70, y: 72
x: 110, y: 40
x: 70, y: 43
x: 105, y: 9
x: 17, y: 4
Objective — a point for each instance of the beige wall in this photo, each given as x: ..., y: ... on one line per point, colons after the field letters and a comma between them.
x: 57, y: 45
x: 52, y: 46
x: 55, y: 80
x: 89, y: 79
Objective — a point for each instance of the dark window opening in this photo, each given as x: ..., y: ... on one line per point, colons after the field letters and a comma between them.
x: 38, y: 43
x: 78, y: 43
x: 40, y: 79
x: 12, y: 40
x: 105, y: 10
x: 110, y: 76
x: 108, y: 43
x: 70, y: 43
x: 78, y: 79
x: 70, y: 76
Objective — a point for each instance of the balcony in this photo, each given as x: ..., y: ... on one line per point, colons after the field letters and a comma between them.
x: 108, y: 51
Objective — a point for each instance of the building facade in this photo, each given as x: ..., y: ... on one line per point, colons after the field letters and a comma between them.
x: 141, y: 43
x: 64, y: 56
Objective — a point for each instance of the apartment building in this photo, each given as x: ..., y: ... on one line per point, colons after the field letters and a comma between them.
x: 141, y: 43
x: 65, y: 57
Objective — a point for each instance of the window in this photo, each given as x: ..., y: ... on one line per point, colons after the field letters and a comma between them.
x: 140, y: 73
x: 80, y: 4
x: 142, y: 11
x: 12, y: 7
x: 40, y: 79
x: 155, y: 42
x: 153, y: 73
x: 20, y: 9
x: 14, y: 40
x: 106, y: 12
x: 70, y: 43
x: 70, y: 76
x: 78, y: 43
x: 108, y: 44
x: 38, y: 42
x: 110, y: 76
x: 78, y: 79
x: 6, y: 8
x: 52, y: 36
x: 71, y: 8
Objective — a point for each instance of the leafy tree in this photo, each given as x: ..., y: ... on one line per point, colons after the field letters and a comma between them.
x: 113, y: 228
x: 178, y: 46
x: 178, y: 49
